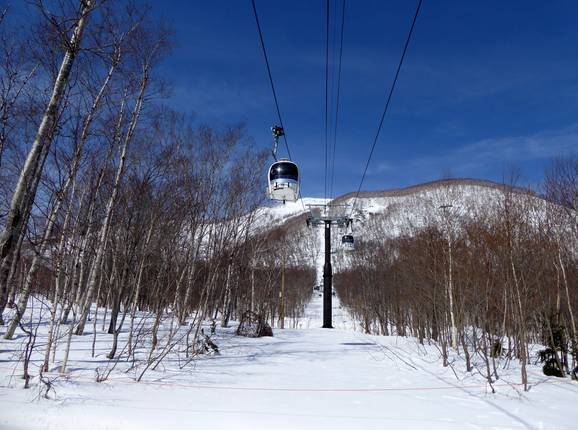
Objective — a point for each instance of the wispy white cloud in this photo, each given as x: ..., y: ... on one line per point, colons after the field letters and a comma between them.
x: 513, y: 148
x: 220, y: 98
x: 381, y: 167
x: 484, y: 155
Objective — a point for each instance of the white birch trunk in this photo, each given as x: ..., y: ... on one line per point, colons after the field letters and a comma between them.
x: 25, y: 191
x: 111, y: 202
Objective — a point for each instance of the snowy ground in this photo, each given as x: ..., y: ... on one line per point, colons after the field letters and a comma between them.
x: 304, y: 378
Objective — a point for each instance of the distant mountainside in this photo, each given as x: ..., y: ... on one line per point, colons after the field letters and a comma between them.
x: 388, y: 213
x: 412, y: 189
x: 440, y: 191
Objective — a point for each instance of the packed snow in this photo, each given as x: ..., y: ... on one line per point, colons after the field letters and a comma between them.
x: 278, y: 213
x: 304, y: 377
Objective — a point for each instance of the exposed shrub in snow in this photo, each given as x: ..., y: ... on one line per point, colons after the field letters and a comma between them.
x: 555, y: 355
x: 551, y: 367
x: 253, y: 325
x: 206, y: 346
x: 497, y: 349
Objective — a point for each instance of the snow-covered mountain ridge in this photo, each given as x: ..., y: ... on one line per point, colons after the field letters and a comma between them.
x: 463, y: 194
x: 378, y: 215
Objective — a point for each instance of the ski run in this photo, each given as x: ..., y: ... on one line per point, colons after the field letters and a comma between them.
x: 304, y: 377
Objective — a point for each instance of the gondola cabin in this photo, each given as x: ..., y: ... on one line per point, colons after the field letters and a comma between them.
x: 283, y: 181
x: 348, y: 242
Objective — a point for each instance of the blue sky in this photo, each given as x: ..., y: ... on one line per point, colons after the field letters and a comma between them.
x: 486, y: 85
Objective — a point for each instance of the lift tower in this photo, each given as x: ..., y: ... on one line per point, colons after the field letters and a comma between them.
x: 326, y: 216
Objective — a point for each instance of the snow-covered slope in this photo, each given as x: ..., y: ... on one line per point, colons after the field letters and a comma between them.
x: 279, y: 213
x: 381, y: 214
x: 303, y: 378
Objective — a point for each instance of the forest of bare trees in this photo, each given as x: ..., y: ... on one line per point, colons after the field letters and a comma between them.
x: 116, y: 208
x: 488, y: 280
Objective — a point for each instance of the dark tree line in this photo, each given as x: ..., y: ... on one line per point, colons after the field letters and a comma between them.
x: 115, y: 208
x: 489, y: 281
